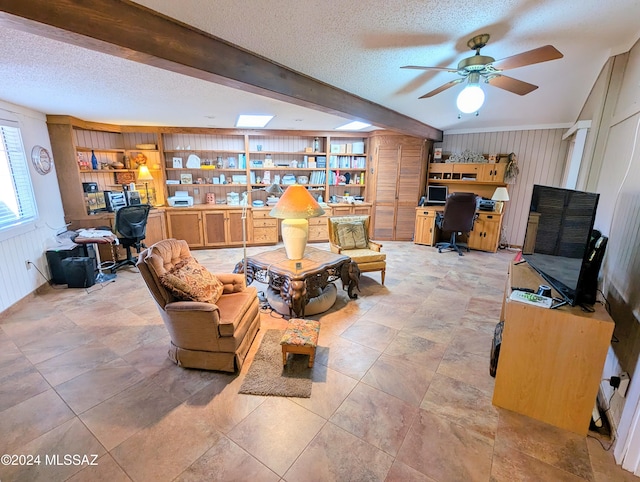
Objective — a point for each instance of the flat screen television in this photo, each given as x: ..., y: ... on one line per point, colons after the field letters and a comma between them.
x: 558, y: 243
x: 437, y: 194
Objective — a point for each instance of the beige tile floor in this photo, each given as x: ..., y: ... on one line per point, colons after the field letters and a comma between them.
x: 401, y: 389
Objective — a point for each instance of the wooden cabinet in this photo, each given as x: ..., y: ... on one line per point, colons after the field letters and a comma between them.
x: 486, y: 232
x: 480, y: 178
x: 425, y: 226
x: 186, y: 224
x: 551, y: 360
x: 399, y: 165
x: 265, y: 228
x: 318, y: 229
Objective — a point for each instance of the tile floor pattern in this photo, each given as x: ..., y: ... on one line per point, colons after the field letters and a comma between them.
x: 401, y: 389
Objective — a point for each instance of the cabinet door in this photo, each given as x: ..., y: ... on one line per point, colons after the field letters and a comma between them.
x: 214, y: 228
x: 156, y: 230
x: 424, y: 228
x: 486, y: 233
x: 234, y: 226
x: 187, y: 226
x: 362, y: 210
x: 492, y: 172
x: 340, y: 210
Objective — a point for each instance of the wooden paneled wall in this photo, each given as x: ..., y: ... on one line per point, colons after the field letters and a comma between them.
x: 541, y: 158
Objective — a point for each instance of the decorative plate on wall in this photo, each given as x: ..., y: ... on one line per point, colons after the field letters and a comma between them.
x: 41, y: 159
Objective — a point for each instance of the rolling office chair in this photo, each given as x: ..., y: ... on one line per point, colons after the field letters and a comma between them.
x: 131, y: 226
x: 459, y: 215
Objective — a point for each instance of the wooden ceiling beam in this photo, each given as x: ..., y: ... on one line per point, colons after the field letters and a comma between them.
x: 131, y: 31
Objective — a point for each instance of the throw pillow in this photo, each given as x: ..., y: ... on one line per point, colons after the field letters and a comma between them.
x: 352, y: 236
x: 189, y: 280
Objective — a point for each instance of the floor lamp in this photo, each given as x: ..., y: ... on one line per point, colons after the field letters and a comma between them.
x: 295, y: 207
x: 272, y: 189
x: 145, y: 176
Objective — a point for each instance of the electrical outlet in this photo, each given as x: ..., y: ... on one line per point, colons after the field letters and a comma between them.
x: 196, y: 191
x: 624, y: 384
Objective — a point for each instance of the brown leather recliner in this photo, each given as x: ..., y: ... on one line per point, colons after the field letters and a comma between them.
x: 203, y: 335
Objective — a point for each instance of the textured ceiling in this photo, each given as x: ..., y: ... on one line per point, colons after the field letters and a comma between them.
x: 356, y: 46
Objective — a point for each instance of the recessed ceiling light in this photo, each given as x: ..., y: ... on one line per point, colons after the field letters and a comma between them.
x: 245, y: 120
x: 353, y: 126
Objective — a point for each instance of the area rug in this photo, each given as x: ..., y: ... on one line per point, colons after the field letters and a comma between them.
x: 267, y: 375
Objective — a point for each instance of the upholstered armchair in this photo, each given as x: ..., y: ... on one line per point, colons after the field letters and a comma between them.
x: 215, y: 334
x: 349, y: 235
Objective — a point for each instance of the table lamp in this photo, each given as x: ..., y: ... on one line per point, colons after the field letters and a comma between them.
x: 500, y: 196
x: 145, y: 176
x: 294, y: 208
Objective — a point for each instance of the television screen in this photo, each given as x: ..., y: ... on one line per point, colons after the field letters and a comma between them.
x: 558, y: 237
x: 437, y: 194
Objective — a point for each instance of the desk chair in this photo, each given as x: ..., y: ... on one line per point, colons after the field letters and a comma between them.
x: 459, y: 215
x: 131, y: 226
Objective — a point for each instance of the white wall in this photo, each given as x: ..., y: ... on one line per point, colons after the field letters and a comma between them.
x: 541, y: 158
x: 16, y: 281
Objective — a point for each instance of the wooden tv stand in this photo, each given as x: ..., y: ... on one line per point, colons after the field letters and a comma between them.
x: 551, y: 360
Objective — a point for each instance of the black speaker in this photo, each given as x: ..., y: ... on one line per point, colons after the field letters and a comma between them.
x: 591, y: 268
x: 78, y: 271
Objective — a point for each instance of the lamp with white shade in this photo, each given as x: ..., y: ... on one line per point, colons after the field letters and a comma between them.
x: 500, y: 196
x: 295, y: 207
x: 145, y: 176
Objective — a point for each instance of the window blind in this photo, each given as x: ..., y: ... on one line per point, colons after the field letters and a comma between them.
x: 17, y: 201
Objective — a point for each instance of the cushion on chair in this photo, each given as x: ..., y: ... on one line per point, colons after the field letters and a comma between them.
x: 365, y: 255
x: 351, y: 235
x: 190, y: 281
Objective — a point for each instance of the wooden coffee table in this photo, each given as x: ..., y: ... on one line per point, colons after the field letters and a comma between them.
x: 295, y: 279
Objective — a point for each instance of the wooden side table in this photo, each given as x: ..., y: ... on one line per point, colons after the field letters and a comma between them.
x: 296, y: 279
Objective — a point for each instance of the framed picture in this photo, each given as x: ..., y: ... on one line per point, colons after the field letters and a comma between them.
x: 125, y: 177
x: 177, y: 162
x: 186, y: 179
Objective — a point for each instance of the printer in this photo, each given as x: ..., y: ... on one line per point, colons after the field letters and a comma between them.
x: 180, y: 199
x: 486, y: 205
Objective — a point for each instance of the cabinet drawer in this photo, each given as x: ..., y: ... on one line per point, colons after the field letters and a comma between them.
x: 318, y: 233
x: 320, y: 221
x: 261, y: 213
x: 267, y: 235
x: 264, y: 223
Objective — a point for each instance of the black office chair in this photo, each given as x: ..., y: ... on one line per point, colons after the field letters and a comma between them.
x: 458, y: 217
x: 131, y: 226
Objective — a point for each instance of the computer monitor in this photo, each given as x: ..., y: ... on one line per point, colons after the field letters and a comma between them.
x: 437, y: 194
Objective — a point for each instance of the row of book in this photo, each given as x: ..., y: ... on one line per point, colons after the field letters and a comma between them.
x: 347, y: 162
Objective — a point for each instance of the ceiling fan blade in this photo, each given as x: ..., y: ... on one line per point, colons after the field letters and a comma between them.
x: 419, y: 67
x: 512, y: 85
x: 535, y: 56
x: 441, y: 88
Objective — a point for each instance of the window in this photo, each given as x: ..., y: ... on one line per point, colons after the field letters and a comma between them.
x: 17, y: 202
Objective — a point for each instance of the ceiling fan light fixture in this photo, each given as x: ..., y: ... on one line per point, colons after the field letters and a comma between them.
x: 470, y: 99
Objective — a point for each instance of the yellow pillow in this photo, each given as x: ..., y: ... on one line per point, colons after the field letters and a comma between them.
x: 189, y: 280
x: 352, y: 235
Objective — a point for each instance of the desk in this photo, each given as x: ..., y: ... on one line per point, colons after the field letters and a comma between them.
x: 551, y: 361
x: 295, y: 279
x: 484, y: 237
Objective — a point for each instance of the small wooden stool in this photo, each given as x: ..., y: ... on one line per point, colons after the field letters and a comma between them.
x: 301, y: 336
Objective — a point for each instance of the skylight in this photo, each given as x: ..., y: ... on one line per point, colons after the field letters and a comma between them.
x: 245, y: 120
x: 353, y: 126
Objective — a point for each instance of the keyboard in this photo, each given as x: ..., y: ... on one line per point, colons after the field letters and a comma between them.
x: 531, y: 299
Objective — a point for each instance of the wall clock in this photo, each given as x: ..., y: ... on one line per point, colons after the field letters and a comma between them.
x: 42, y: 160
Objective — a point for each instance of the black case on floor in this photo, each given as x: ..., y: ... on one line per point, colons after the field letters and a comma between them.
x: 54, y: 259
x: 78, y: 272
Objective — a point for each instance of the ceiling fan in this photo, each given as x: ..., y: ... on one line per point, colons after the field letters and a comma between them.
x: 482, y: 67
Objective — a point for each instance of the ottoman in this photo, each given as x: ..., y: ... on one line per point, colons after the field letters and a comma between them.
x: 301, y: 336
